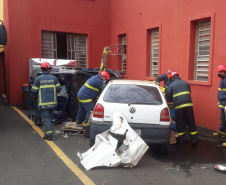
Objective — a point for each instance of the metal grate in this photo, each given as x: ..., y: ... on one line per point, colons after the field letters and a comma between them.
x: 76, y: 47
x: 154, y: 53
x: 201, y: 70
x: 49, y: 45
x: 123, y: 51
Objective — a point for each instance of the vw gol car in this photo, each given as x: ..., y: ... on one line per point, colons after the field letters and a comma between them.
x: 141, y: 103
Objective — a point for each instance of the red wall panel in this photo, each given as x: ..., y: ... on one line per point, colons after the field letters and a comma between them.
x: 27, y: 18
x: 174, y: 19
x: 104, y: 21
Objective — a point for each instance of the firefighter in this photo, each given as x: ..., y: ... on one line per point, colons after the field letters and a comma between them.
x: 164, y: 77
x: 167, y: 81
x: 47, y: 86
x: 180, y: 93
x: 222, y: 102
x: 86, y: 94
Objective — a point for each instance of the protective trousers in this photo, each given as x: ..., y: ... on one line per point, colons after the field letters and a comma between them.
x: 47, y: 115
x: 223, y: 122
x: 185, y: 117
x: 85, y: 112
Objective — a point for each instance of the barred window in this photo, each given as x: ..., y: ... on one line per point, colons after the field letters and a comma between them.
x: 201, y: 69
x: 123, y: 52
x: 154, y: 53
x: 65, y: 46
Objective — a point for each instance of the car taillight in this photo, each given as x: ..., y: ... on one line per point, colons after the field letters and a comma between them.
x: 165, y: 116
x: 98, y: 111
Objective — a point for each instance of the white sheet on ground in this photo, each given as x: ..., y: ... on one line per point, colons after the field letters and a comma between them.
x: 105, y: 153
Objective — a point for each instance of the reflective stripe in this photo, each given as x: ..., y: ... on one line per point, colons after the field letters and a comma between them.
x: 181, y: 93
x: 40, y: 95
x: 36, y: 88
x: 193, y: 133
x: 184, y: 105
x: 95, y: 89
x: 57, y: 85
x: 49, y: 132
x: 85, y: 101
x: 224, y: 89
x: 181, y: 133
x: 88, y: 122
x: 47, y: 103
x: 221, y: 106
x: 222, y: 133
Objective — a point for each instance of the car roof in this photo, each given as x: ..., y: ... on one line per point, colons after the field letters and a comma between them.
x: 136, y: 82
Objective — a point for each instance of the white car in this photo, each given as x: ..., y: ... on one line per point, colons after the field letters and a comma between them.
x: 141, y: 103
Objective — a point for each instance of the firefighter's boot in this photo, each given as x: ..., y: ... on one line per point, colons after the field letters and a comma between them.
x: 48, y: 137
x: 79, y: 123
x: 193, y: 139
x: 219, y: 135
x: 180, y: 140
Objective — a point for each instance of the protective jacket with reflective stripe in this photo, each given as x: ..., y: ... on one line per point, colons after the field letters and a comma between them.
x: 47, y: 87
x: 180, y: 93
x: 222, y: 93
x: 90, y: 89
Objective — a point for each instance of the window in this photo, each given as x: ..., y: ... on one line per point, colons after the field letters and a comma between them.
x: 65, y: 46
x: 202, y: 50
x: 131, y: 93
x: 123, y: 52
x: 154, y: 53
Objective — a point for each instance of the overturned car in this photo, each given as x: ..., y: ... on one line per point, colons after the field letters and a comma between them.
x: 71, y: 80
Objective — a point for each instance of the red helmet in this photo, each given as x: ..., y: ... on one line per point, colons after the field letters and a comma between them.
x: 45, y: 65
x: 169, y: 72
x: 221, y: 68
x: 105, y: 74
x: 173, y: 74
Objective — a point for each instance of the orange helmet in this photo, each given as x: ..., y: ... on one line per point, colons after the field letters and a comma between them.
x: 45, y: 65
x: 173, y: 74
x: 221, y: 68
x: 105, y: 74
x: 169, y: 72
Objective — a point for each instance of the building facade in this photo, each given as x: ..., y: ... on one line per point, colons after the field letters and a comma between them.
x: 147, y: 37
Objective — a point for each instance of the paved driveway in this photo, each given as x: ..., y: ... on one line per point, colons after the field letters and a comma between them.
x: 25, y: 158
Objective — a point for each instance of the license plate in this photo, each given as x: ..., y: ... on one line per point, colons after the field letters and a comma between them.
x: 138, y: 131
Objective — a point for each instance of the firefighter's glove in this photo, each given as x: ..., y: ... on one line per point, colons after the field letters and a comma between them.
x: 157, y: 83
x: 218, y: 103
x: 224, y: 108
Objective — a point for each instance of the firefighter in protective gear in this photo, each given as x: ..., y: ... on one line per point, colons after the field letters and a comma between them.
x: 86, y: 94
x: 222, y: 101
x: 179, y: 92
x: 164, y: 77
x: 47, y: 86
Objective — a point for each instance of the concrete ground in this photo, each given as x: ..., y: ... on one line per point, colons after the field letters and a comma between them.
x: 25, y: 158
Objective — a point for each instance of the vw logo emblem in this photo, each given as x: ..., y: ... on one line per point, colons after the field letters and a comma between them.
x: 132, y: 110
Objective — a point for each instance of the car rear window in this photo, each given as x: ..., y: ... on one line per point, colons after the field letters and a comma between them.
x: 130, y: 93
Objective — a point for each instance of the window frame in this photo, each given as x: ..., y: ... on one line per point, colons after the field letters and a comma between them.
x: 192, y: 49
x: 122, y: 52
x: 76, y: 46
x: 148, y: 50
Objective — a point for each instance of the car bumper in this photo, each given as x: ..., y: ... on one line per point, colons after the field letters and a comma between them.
x: 151, y: 134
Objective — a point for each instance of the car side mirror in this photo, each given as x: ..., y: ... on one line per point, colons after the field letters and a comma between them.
x: 3, y: 35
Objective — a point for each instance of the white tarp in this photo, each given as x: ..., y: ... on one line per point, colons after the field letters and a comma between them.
x: 105, y: 153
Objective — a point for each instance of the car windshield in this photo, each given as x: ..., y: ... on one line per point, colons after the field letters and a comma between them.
x: 132, y: 94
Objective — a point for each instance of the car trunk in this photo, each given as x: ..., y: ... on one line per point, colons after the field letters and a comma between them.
x: 134, y: 113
